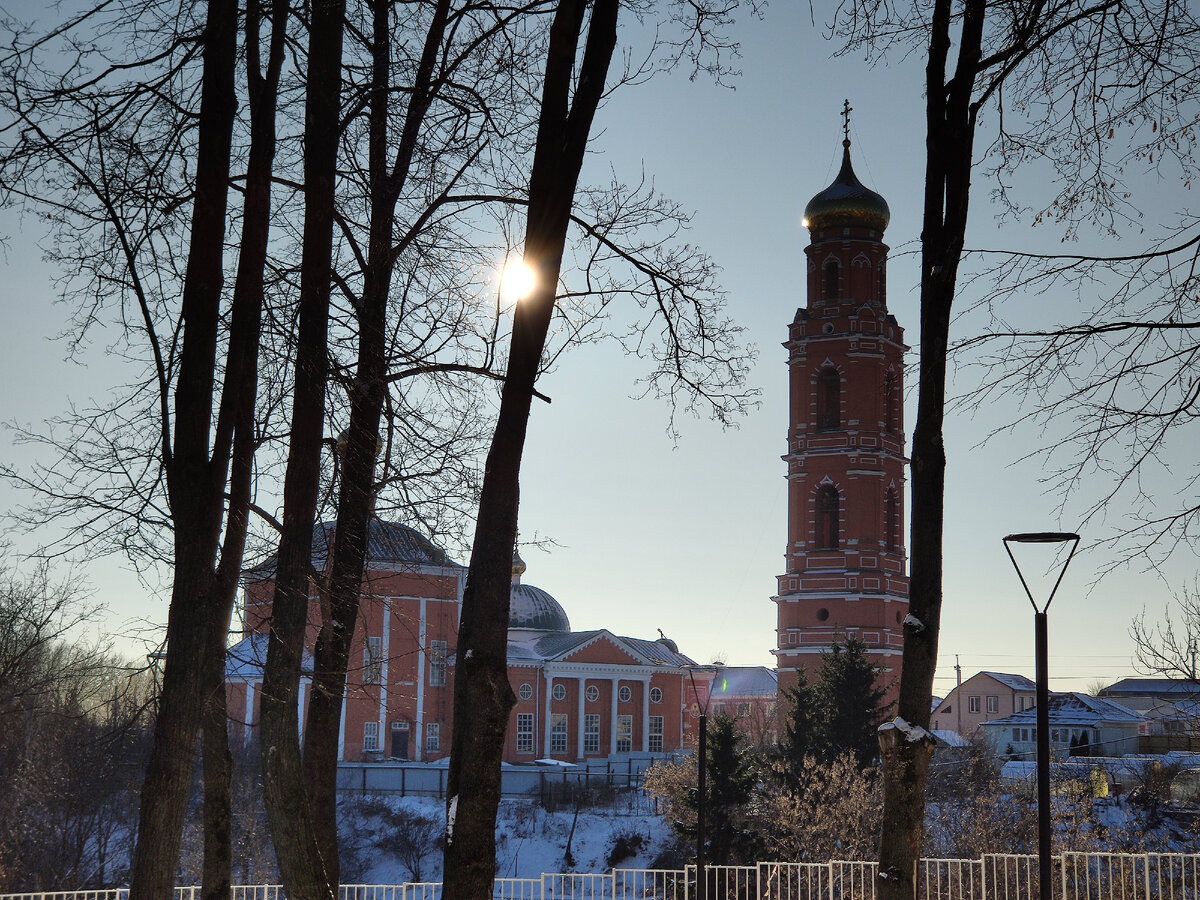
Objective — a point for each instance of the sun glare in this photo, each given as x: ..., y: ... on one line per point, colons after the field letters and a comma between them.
x: 516, y: 279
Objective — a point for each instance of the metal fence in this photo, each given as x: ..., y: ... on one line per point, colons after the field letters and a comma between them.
x: 1077, y: 876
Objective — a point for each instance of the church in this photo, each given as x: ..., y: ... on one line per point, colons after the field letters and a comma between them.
x: 846, y: 566
x: 596, y: 694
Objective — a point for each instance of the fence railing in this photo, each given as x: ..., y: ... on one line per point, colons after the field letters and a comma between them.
x: 1077, y: 876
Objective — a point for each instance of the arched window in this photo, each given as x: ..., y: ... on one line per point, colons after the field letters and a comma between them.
x: 828, y: 518
x: 883, y: 282
x: 829, y: 398
x: 831, y: 280
x: 891, y: 508
x: 890, y: 406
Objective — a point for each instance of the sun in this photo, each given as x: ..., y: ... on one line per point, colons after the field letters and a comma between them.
x: 517, y: 279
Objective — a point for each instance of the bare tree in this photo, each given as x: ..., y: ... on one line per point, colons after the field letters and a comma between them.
x: 1060, y: 77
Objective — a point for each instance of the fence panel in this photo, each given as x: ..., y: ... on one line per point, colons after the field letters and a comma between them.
x: 257, y: 892
x: 649, y: 884
x: 852, y: 879
x: 421, y: 890
x: 576, y: 886
x: 951, y: 879
x: 517, y: 889
x: 371, y: 892
x: 795, y: 881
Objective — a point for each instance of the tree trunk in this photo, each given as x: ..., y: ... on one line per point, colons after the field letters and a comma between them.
x: 483, y: 696
x: 195, y: 507
x: 950, y: 120
x: 301, y: 866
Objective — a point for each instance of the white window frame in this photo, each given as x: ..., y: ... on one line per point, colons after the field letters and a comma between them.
x: 626, y: 693
x: 559, y: 692
x: 525, y: 691
x: 624, y: 734
x: 433, y: 737
x: 438, y: 651
x: 560, y: 726
x: 370, y: 737
x: 655, y: 734
x: 525, y: 733
x: 372, y: 660
x: 592, y: 693
x: 743, y: 710
x: 591, y: 733
x: 655, y: 695
x: 972, y: 704
x: 993, y: 703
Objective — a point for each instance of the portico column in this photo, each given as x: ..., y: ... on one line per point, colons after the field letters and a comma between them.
x: 612, y: 726
x: 646, y: 716
x: 546, y: 738
x: 579, y: 729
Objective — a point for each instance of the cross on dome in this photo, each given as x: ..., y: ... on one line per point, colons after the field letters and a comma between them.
x: 846, y: 110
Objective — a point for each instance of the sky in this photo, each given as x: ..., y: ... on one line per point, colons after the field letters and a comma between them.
x: 688, y: 536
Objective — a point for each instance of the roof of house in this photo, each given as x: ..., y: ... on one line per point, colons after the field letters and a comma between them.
x: 745, y: 681
x: 245, y: 659
x: 1074, y: 709
x: 388, y: 543
x: 1154, y: 686
x: 1016, y: 682
x: 532, y: 647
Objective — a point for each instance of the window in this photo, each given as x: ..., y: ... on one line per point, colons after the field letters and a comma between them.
x: 882, y: 281
x: 373, y: 661
x: 1020, y: 704
x: 889, y: 403
x: 371, y: 737
x: 829, y: 399
x: 973, y: 704
x: 743, y: 710
x: 718, y: 709
x: 437, y: 663
x: 593, y: 693
x: 524, y: 732
x: 558, y: 733
x: 830, y: 271
x: 889, y: 520
x: 433, y: 732
x: 591, y: 733
x: 1016, y: 734
x: 525, y: 691
x: 656, y: 734
x: 828, y: 523
x: 655, y: 695
x: 560, y: 692
x: 626, y: 694
x: 993, y: 704
x: 947, y: 710
x: 624, y: 734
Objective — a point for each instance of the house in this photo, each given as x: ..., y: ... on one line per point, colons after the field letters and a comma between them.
x: 749, y: 694
x: 1079, y: 726
x: 984, y: 697
x: 1172, y: 689
x: 580, y: 695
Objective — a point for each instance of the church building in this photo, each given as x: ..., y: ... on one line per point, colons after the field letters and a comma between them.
x: 846, y: 566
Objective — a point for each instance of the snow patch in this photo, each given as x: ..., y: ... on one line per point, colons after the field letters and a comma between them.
x: 451, y: 812
x: 914, y: 623
x: 912, y: 733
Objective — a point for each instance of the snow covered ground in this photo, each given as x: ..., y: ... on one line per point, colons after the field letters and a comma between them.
x: 530, y: 840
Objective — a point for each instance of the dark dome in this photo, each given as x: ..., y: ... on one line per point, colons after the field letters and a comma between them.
x: 531, y: 607
x: 387, y: 543
x: 847, y: 202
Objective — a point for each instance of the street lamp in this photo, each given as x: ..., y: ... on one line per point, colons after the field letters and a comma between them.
x: 1043, y: 691
x: 701, y: 779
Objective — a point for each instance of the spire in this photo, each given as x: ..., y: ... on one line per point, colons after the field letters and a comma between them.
x: 847, y: 201
x: 518, y: 565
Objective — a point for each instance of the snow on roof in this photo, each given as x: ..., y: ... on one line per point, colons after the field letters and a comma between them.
x: 1152, y: 686
x: 1074, y: 709
x: 1015, y: 682
x: 387, y: 543
x: 532, y: 647
x: 745, y: 681
x: 951, y: 738
x: 245, y: 659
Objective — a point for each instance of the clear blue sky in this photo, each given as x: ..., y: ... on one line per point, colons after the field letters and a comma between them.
x: 688, y: 538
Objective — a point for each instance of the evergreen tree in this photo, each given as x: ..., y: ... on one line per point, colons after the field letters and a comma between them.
x: 837, y: 713
x: 732, y: 778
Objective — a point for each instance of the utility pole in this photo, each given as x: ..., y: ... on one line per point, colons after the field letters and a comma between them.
x: 958, y: 691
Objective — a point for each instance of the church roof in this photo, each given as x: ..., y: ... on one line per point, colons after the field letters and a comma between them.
x: 531, y: 607
x: 388, y: 543
x: 245, y: 659
x: 847, y: 202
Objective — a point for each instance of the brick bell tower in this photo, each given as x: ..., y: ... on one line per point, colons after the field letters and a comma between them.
x: 846, y: 562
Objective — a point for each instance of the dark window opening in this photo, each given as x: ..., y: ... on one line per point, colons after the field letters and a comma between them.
x: 829, y: 399
x: 889, y: 402
x: 828, y: 523
x: 882, y: 282
x: 831, y: 280
x: 890, y: 510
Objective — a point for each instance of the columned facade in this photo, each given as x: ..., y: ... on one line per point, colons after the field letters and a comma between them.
x: 846, y: 564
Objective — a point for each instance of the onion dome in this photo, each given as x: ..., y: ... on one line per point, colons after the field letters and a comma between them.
x: 847, y: 202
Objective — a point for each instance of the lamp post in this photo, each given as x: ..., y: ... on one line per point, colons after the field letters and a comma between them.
x: 701, y: 779
x: 1041, y: 654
